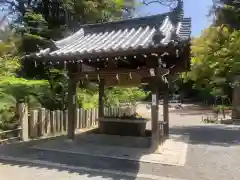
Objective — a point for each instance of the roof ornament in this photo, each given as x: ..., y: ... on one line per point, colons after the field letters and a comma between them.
x: 178, y: 12
x: 52, y: 45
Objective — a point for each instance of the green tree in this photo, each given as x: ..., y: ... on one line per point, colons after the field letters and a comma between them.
x: 40, y: 21
x: 215, y: 61
x: 227, y: 12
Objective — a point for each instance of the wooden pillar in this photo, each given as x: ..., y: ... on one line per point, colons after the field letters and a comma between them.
x: 166, y: 111
x: 154, y: 116
x: 22, y: 111
x: 72, y: 85
x: 101, y: 106
x: 236, y: 100
x: 101, y: 99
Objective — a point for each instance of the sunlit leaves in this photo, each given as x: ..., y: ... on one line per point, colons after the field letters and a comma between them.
x: 215, y: 60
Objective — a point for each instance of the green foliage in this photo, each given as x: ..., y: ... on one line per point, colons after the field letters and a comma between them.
x: 215, y: 61
x: 228, y: 13
x: 36, y: 24
x: 87, y: 98
x: 115, y: 96
x: 39, y: 21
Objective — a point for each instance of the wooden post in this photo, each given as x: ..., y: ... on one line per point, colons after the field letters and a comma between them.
x: 41, y: 122
x: 154, y: 116
x: 81, y: 118
x: 166, y: 112
x: 72, y: 85
x: 33, y: 123
x: 48, y: 122
x: 58, y: 121
x: 53, y: 122
x: 77, y: 118
x: 23, y: 117
x: 236, y: 100
x: 65, y: 122
x: 101, y: 105
x: 62, y: 121
x: 101, y: 99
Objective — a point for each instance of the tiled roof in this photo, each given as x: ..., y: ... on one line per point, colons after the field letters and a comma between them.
x: 138, y: 33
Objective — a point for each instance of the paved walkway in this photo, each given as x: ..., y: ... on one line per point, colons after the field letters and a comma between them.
x: 28, y: 169
x: 172, y: 152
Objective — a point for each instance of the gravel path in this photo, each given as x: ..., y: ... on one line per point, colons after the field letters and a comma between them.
x: 213, y: 153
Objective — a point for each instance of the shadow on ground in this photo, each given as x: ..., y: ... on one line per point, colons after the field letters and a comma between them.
x: 40, y: 165
x: 218, y: 135
x: 123, y: 169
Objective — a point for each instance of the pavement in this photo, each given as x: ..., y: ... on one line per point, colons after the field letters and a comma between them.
x: 172, y: 152
x: 212, y: 153
x: 25, y: 169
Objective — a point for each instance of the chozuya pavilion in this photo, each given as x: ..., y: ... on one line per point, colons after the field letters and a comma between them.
x: 124, y: 53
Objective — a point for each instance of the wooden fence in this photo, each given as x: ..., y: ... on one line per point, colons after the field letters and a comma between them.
x: 119, y: 111
x: 10, y: 135
x: 44, y: 122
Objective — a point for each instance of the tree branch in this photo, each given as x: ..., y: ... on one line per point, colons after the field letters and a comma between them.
x: 168, y: 3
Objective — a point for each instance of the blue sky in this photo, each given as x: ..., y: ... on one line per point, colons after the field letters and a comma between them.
x: 196, y: 9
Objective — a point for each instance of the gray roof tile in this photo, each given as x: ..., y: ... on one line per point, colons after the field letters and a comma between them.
x: 121, y: 36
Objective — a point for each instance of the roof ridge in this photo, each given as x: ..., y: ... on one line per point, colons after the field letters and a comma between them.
x: 125, y: 20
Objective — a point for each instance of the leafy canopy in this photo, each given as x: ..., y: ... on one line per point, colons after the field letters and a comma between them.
x: 216, y: 59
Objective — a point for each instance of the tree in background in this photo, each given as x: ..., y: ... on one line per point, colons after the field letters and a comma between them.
x: 37, y: 22
x: 227, y: 12
x: 215, y: 61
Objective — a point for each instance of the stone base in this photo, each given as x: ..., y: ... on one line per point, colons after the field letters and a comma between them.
x: 227, y: 121
x: 115, y: 140
x: 122, y: 127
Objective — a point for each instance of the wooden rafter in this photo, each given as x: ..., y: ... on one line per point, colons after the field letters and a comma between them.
x: 103, y: 74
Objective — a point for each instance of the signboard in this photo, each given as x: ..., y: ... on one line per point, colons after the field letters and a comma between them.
x: 154, y: 99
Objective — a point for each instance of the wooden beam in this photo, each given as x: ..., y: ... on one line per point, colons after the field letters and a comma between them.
x: 103, y: 74
x: 72, y: 85
x: 166, y: 111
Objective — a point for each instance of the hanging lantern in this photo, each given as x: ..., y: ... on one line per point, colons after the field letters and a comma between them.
x: 98, y: 78
x: 130, y: 76
x: 177, y: 53
x: 117, y: 77
x: 152, y: 72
